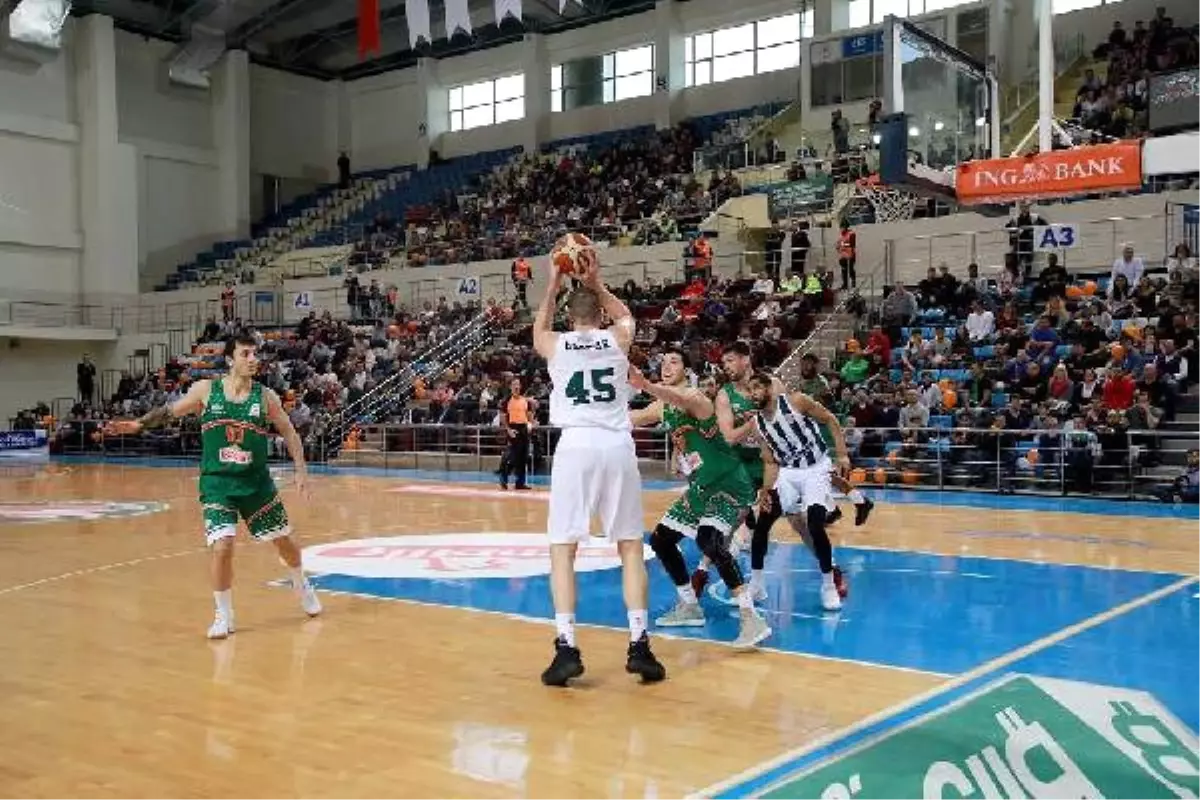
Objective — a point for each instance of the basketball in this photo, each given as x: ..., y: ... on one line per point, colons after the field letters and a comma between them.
x: 573, y: 253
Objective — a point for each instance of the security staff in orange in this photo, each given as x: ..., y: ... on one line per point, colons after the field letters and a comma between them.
x: 521, y: 273
x: 847, y: 244
x: 516, y: 420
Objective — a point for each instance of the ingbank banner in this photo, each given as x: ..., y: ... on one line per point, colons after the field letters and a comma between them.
x: 1061, y: 173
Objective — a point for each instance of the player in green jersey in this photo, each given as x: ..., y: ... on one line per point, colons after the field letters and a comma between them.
x: 236, y: 413
x: 717, y: 495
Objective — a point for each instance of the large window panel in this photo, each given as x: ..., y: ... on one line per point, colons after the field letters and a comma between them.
x: 782, y: 56
x: 733, y: 40
x: 510, y: 109
x: 861, y: 79
x: 456, y: 99
x: 1063, y: 6
x: 777, y: 30
x: 703, y: 75
x: 639, y: 85
x: 859, y: 13
x: 736, y: 65
x: 637, y: 59
x: 478, y: 94
x: 510, y: 87
x: 479, y: 116
x: 488, y: 102
x: 827, y: 84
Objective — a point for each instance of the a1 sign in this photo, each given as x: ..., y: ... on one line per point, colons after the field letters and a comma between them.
x: 302, y: 301
x: 1056, y: 237
x: 468, y: 287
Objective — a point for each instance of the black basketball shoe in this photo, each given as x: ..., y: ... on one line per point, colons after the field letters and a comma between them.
x: 567, y: 664
x: 862, y: 511
x: 833, y: 516
x: 642, y: 662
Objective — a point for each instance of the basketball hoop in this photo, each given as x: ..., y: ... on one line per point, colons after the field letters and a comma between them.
x: 890, y: 205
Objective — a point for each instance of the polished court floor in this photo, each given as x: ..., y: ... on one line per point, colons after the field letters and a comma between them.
x: 421, y: 678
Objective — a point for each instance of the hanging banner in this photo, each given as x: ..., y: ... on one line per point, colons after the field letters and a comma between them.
x: 458, y: 18
x: 1061, y: 173
x: 416, y: 14
x: 508, y: 8
x: 369, y: 36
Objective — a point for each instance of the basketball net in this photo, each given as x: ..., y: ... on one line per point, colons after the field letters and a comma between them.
x: 890, y: 205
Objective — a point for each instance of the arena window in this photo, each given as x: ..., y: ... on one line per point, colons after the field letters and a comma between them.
x: 609, y: 78
x: 754, y: 48
x: 489, y: 102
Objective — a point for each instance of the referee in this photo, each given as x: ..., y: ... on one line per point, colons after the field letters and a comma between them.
x: 514, y: 417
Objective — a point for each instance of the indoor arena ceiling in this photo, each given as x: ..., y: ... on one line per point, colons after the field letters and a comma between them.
x: 318, y: 37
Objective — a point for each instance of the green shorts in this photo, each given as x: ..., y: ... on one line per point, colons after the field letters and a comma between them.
x: 256, y: 502
x: 754, y: 471
x: 719, y: 505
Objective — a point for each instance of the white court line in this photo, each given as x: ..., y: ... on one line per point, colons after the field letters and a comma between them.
x: 657, y: 633
x: 996, y: 664
x: 982, y: 557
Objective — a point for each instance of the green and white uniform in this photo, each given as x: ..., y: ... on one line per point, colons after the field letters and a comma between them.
x: 748, y: 450
x: 718, y: 488
x: 234, y: 478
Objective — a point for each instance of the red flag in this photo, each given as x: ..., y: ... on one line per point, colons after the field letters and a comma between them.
x: 369, y: 40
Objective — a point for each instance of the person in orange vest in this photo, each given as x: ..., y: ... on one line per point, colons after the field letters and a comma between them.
x: 847, y: 244
x: 521, y: 273
x: 516, y: 419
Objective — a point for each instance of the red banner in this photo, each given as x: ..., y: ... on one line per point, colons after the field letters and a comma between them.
x: 369, y: 39
x: 1061, y: 173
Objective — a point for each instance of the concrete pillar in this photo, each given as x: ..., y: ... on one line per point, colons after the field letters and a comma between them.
x: 823, y: 16
x: 432, y: 118
x: 107, y: 173
x: 669, y: 64
x: 535, y: 64
x: 231, y: 134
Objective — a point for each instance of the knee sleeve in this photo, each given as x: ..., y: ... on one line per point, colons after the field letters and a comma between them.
x: 712, y: 544
x: 665, y: 544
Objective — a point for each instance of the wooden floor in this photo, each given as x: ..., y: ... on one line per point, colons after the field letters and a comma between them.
x: 110, y: 688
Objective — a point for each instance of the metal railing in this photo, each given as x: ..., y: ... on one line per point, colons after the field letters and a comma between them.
x: 1118, y: 463
x: 1097, y: 244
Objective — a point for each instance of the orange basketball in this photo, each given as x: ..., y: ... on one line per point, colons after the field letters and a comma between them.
x: 1089, y: 288
x: 1074, y: 292
x: 858, y: 475
x: 880, y: 475
x: 573, y: 253
x: 910, y: 476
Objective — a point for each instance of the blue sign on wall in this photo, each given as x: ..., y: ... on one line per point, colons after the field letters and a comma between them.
x: 864, y: 44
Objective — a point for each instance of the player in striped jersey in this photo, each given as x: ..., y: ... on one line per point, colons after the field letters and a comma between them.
x: 796, y: 463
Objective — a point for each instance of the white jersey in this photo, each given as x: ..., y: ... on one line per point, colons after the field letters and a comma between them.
x: 590, y: 376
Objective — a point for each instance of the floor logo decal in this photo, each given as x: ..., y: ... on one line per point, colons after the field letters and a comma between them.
x: 454, y: 556
x: 64, y: 510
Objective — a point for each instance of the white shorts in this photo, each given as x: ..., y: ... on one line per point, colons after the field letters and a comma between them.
x: 800, y: 488
x: 595, y: 474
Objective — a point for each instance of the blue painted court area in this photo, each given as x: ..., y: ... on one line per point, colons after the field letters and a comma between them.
x: 934, y: 613
x: 1134, y: 678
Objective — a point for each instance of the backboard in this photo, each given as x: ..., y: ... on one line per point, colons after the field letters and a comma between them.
x: 942, y: 109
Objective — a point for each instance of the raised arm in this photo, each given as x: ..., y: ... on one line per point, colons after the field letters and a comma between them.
x: 295, y: 447
x: 645, y: 417
x: 624, y: 326
x: 806, y: 405
x: 191, y: 403
x: 733, y: 433
x: 693, y: 401
x: 545, y: 340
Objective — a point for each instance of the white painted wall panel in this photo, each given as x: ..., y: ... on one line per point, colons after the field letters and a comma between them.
x: 149, y: 106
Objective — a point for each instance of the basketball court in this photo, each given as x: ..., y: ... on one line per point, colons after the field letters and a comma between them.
x: 421, y: 678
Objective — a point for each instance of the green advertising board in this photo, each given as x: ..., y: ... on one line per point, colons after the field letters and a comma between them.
x: 799, y: 196
x: 1022, y: 737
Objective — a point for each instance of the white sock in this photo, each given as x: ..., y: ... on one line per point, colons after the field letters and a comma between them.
x: 297, y: 576
x: 856, y: 497
x: 637, y: 623
x: 565, y: 624
x: 224, y: 601
x: 827, y: 579
x: 745, y: 598
x: 756, y: 578
x: 687, y: 594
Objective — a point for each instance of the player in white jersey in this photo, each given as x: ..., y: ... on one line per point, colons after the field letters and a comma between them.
x: 595, y: 470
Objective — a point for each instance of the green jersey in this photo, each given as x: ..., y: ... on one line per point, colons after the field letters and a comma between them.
x: 701, y: 451
x: 234, y: 438
x: 743, y: 412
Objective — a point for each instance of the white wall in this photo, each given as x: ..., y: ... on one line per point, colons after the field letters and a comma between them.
x: 383, y: 114
x: 293, y: 125
x: 40, y: 370
x: 39, y: 201
x: 174, y: 225
x: 152, y: 108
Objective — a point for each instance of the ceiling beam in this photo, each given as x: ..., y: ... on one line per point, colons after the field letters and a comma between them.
x: 260, y: 21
